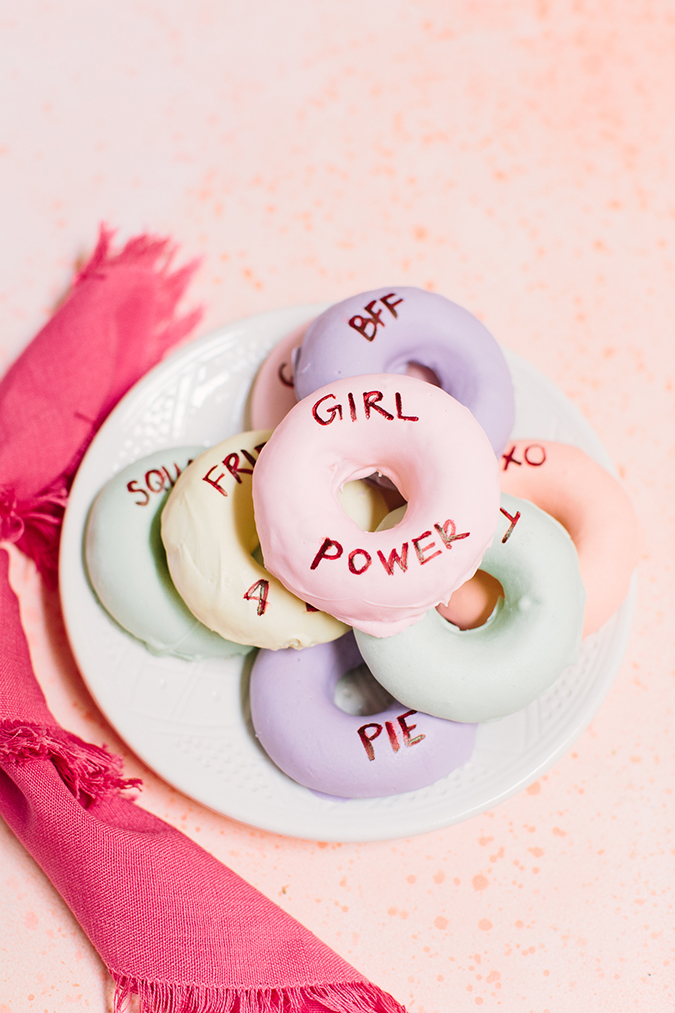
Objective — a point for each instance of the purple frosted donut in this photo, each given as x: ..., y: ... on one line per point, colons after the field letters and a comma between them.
x: 307, y: 735
x: 384, y: 330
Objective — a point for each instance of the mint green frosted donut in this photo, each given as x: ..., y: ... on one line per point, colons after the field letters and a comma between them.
x: 127, y: 562
x: 498, y: 668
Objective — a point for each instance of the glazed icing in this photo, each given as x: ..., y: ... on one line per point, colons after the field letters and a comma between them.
x: 431, y: 448
x: 533, y: 634
x: 127, y: 565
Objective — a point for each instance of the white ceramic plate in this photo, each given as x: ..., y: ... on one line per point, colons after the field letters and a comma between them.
x: 189, y: 721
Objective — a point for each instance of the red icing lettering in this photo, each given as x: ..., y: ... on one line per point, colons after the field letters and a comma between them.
x: 399, y: 411
x: 328, y: 543
x: 542, y: 453
x: 333, y: 410
x: 509, y: 458
x: 280, y: 373
x: 450, y: 536
x: 514, y: 521
x: 258, y: 592
x: 214, y: 481
x: 260, y: 446
x: 352, y: 407
x: 310, y: 608
x: 395, y: 559
x: 152, y: 485
x: 353, y: 568
x: 391, y: 732
x: 133, y: 488
x: 421, y: 549
x: 390, y: 305
x: 361, y: 324
x: 367, y: 739
x: 231, y: 462
x: 172, y: 481
x: 370, y: 397
x: 156, y: 481
x: 407, y: 729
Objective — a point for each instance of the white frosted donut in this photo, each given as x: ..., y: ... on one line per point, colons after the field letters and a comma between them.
x: 432, y: 449
x: 210, y: 536
x: 127, y: 563
x: 533, y: 634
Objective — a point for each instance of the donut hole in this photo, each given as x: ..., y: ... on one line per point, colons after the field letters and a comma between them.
x: 368, y: 502
x: 392, y: 494
x: 420, y: 372
x: 473, y: 603
x: 358, y: 693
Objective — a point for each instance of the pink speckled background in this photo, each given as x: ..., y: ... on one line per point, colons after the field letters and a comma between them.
x: 515, y: 155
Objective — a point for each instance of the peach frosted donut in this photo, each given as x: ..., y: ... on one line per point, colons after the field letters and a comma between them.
x: 591, y: 505
x: 210, y: 537
x: 431, y: 448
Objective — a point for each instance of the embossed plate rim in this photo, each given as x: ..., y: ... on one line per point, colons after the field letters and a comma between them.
x: 509, y: 754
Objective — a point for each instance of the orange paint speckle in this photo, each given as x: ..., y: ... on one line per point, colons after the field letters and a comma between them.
x: 485, y: 924
x: 440, y: 922
x: 439, y: 877
x: 479, y: 882
x: 534, y: 788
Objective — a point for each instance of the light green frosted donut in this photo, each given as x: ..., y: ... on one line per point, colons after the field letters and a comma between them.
x: 126, y: 560
x: 532, y: 635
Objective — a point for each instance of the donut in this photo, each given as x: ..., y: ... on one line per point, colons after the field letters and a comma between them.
x: 383, y: 330
x: 591, y: 505
x: 126, y: 561
x: 435, y: 453
x: 305, y: 733
x: 209, y: 534
x: 533, y: 634
x: 273, y: 391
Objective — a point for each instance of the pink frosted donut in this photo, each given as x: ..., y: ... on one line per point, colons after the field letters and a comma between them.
x: 273, y: 391
x: 590, y: 503
x: 431, y: 448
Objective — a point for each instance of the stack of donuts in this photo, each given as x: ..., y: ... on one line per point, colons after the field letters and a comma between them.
x: 377, y: 514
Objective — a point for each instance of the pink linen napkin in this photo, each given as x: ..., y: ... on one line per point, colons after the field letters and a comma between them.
x: 170, y: 922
